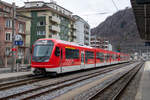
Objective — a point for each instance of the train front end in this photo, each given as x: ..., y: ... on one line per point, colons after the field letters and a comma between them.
x: 41, y: 56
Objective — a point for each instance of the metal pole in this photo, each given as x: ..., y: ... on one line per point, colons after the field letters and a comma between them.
x: 147, y: 52
x: 95, y: 41
x: 13, y: 38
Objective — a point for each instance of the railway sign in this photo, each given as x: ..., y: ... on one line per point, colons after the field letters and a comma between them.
x: 13, y: 49
x: 18, y: 40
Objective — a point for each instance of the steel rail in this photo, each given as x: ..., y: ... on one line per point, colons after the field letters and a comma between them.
x: 20, y: 82
x: 83, y: 77
x: 100, y: 91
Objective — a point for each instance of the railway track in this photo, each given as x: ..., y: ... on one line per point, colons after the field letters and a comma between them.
x: 53, y: 86
x: 8, y: 85
x: 31, y: 79
x: 114, y: 90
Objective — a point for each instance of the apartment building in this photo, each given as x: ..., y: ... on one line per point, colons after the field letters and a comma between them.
x: 82, y: 30
x: 99, y: 42
x: 6, y: 12
x: 49, y: 20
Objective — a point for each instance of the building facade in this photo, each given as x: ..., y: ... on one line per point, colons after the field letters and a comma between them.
x: 99, y: 42
x: 6, y: 13
x: 82, y: 30
x: 49, y: 20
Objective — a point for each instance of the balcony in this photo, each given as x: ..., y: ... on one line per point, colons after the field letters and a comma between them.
x: 54, y: 28
x: 56, y: 36
x: 72, y: 34
x: 54, y: 19
x: 73, y: 27
x: 86, y: 30
x: 87, y: 35
x: 22, y: 33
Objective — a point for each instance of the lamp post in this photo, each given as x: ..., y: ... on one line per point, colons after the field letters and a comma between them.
x: 13, y: 38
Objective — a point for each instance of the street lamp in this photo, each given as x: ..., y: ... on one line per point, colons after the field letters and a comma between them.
x: 13, y: 38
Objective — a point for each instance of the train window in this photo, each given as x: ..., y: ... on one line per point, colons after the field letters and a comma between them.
x: 72, y: 53
x: 89, y: 54
x: 114, y: 57
x: 57, y: 51
x: 117, y: 57
x: 121, y: 57
x: 107, y: 56
x: 100, y: 56
x: 76, y: 54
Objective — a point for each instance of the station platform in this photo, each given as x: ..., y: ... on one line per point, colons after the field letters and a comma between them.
x: 144, y: 86
x: 14, y: 75
x: 5, y: 70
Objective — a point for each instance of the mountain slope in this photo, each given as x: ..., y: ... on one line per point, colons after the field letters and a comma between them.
x: 121, y: 30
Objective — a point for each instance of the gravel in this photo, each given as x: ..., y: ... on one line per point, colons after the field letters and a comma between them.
x: 86, y: 94
x: 69, y: 88
x: 131, y: 90
x: 53, y: 94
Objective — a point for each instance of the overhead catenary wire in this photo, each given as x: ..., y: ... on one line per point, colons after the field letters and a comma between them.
x: 115, y: 5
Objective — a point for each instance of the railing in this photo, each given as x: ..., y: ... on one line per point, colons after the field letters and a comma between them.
x: 54, y: 19
x: 54, y: 28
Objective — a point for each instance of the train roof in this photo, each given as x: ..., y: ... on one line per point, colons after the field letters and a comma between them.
x: 67, y: 43
x: 79, y: 45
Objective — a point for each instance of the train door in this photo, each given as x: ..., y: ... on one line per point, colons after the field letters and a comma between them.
x: 61, y: 59
x: 82, y: 59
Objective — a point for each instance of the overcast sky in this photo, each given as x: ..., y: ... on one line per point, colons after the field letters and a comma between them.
x: 93, y: 11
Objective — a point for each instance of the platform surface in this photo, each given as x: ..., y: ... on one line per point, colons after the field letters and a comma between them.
x: 14, y: 75
x: 144, y: 88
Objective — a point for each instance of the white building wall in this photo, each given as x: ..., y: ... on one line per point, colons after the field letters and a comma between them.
x: 79, y: 32
x: 90, y: 37
x: 110, y: 47
x: 87, y: 41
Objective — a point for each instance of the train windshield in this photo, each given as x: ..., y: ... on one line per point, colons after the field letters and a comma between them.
x: 42, y: 50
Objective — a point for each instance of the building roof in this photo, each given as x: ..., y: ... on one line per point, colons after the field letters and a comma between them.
x: 142, y: 16
x: 26, y: 17
x: 61, y: 7
x: 45, y: 7
x: 34, y: 2
x: 5, y: 3
x: 76, y: 17
x: 10, y: 5
x: 48, y: 3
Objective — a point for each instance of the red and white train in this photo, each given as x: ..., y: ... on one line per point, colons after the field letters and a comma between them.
x: 51, y: 55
